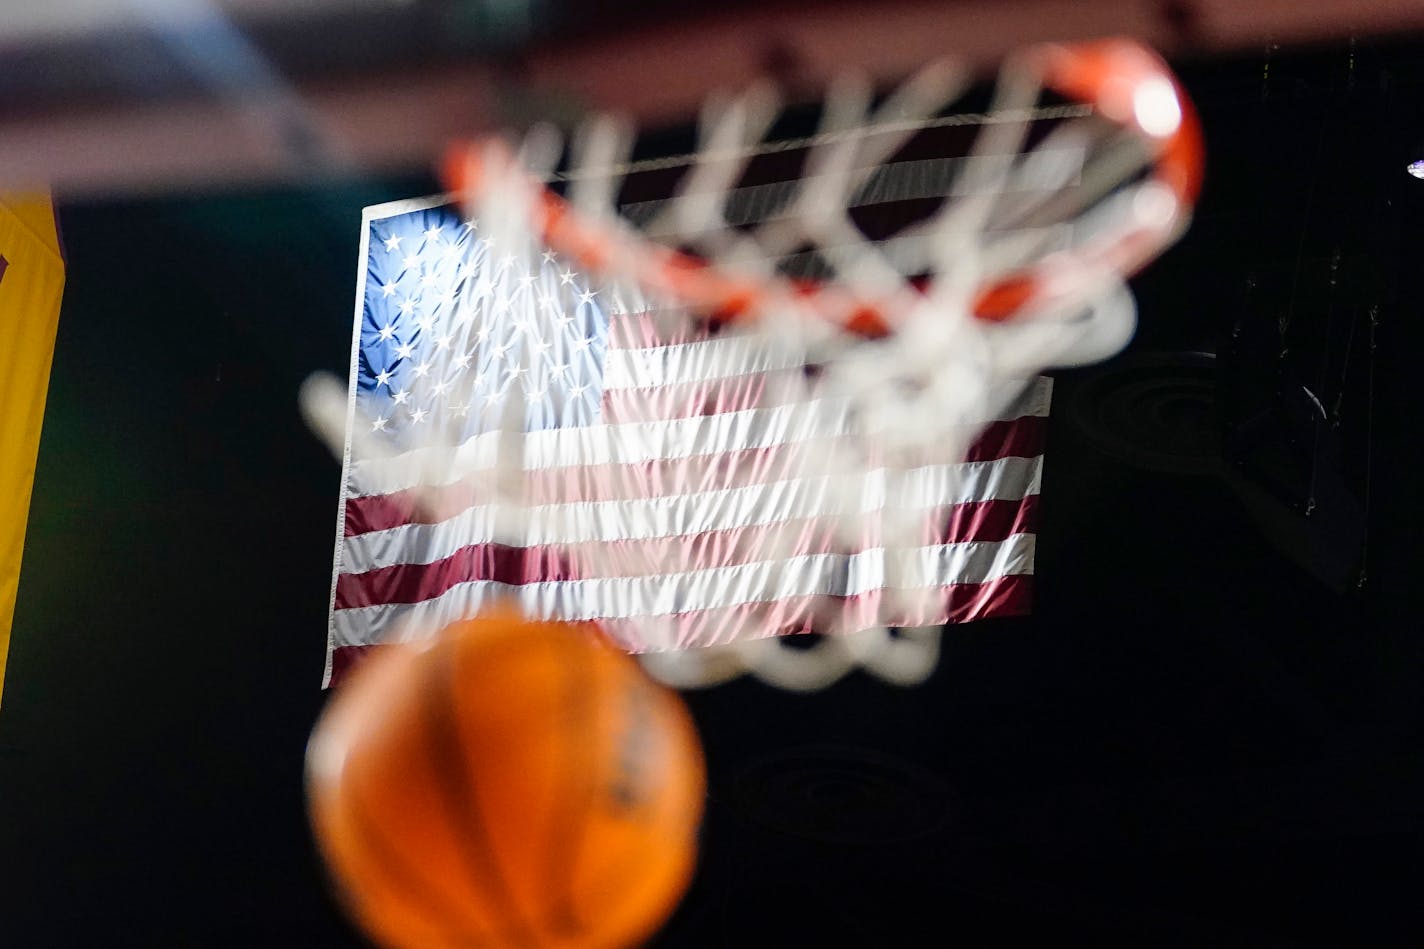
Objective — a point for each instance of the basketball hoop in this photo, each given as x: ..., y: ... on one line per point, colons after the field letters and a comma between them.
x: 1119, y: 80
x: 908, y: 341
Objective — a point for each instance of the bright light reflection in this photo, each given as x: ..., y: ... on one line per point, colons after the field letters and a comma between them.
x: 1156, y: 108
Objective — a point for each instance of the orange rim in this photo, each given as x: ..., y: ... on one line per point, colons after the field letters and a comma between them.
x: 1121, y: 79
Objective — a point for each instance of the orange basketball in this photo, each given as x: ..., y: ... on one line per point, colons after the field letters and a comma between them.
x: 507, y: 783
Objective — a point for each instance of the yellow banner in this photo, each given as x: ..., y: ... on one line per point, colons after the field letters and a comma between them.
x: 31, y: 285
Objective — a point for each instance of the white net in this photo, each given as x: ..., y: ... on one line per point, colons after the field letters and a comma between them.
x: 705, y: 461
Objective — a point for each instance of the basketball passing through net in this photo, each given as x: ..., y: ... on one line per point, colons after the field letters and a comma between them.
x: 869, y: 349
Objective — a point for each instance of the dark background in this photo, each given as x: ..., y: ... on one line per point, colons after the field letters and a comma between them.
x: 1207, y: 734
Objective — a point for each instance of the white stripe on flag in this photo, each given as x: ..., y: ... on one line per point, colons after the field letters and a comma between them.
x: 709, y: 589
x: 694, y: 362
x: 634, y: 442
x: 695, y: 513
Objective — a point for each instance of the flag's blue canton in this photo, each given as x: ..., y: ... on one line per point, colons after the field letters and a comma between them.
x: 452, y: 320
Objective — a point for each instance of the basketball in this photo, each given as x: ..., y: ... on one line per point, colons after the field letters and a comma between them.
x: 506, y: 783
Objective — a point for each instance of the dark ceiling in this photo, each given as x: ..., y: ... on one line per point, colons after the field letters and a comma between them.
x: 1208, y: 733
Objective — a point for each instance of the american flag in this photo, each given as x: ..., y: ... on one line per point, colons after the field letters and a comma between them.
x: 661, y: 462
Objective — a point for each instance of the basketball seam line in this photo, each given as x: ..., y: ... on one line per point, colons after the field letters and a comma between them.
x: 464, y: 806
x: 397, y: 867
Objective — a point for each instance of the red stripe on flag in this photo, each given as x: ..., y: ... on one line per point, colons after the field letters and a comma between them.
x: 1015, y: 438
x: 345, y: 660
x: 1018, y: 438
x: 952, y: 603
x: 960, y: 603
x: 977, y: 521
